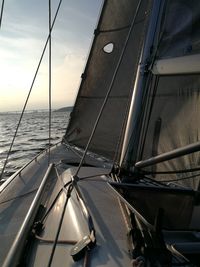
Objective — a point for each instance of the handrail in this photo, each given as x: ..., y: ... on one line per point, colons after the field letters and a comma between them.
x: 12, y: 259
x: 182, y: 151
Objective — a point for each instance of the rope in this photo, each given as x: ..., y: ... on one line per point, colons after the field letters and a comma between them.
x: 94, y: 176
x: 70, y: 188
x: 49, y: 81
x: 86, y: 259
x: 68, y: 242
x: 30, y: 90
x: 53, y: 203
x: 20, y: 196
x: 180, y: 179
x: 172, y: 172
x: 63, y: 189
x: 109, y: 91
x: 2, y: 9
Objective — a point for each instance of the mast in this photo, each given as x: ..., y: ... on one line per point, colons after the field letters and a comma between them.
x: 129, y: 151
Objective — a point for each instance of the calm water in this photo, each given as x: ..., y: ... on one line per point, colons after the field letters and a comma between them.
x: 32, y: 136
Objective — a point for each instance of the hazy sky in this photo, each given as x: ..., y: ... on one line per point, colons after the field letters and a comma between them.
x: 22, y: 38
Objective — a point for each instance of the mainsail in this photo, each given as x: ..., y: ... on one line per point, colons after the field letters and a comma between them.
x: 174, y: 96
x: 110, y: 37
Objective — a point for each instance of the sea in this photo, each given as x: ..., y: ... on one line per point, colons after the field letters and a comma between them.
x: 32, y: 136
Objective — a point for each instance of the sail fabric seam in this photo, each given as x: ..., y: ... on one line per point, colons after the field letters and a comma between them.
x: 120, y: 28
x: 180, y: 179
x: 88, y: 59
x: 101, y: 97
x: 109, y: 89
x: 171, y: 172
x: 114, y: 30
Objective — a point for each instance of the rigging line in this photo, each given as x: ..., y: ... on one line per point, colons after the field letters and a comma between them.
x: 49, y: 81
x: 68, y: 146
x: 67, y: 242
x: 180, y: 179
x: 79, y: 198
x: 120, y: 28
x: 62, y: 182
x: 109, y: 90
x: 30, y: 90
x: 94, y: 176
x: 2, y: 9
x: 54, y: 202
x: 86, y: 258
x: 147, y: 111
x: 70, y: 188
x: 171, y: 172
x: 20, y: 196
x: 63, y: 189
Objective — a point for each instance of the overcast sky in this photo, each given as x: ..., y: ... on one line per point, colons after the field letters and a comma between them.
x: 22, y: 38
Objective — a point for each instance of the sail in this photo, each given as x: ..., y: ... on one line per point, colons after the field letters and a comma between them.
x: 174, y: 96
x: 110, y: 37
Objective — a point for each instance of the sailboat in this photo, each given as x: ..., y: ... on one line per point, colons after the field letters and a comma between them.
x: 122, y: 187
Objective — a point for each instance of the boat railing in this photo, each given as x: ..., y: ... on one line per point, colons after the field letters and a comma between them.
x: 11, y: 178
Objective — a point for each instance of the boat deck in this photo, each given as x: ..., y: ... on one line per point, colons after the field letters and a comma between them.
x: 16, y: 197
x: 110, y: 228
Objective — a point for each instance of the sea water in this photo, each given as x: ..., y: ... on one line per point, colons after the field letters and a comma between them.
x: 32, y: 136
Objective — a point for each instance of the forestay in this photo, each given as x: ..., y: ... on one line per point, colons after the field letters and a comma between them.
x: 110, y: 37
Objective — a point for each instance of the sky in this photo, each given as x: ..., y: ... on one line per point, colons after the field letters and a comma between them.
x: 23, y: 34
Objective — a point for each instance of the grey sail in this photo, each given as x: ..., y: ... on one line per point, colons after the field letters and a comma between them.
x: 173, y: 104
x: 109, y: 40
x: 144, y: 67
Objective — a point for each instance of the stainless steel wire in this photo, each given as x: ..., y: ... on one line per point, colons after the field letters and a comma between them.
x: 30, y: 90
x: 49, y: 154
x: 108, y: 91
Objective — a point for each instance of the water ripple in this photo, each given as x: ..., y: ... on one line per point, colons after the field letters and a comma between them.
x: 32, y: 136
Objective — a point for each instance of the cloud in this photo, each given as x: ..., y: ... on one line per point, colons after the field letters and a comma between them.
x: 22, y: 39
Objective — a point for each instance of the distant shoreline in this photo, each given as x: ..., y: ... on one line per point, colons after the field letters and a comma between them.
x: 65, y: 109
